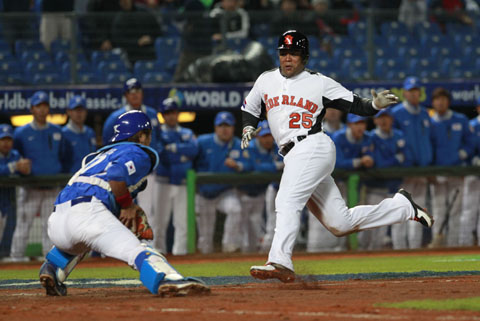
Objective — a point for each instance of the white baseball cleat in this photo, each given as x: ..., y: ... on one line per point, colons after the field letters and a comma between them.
x: 183, y: 287
x: 272, y: 271
x: 421, y: 214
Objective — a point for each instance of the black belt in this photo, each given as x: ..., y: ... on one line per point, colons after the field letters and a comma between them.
x: 78, y: 200
x: 286, y: 148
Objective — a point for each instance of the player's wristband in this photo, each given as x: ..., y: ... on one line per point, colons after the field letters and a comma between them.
x: 125, y: 200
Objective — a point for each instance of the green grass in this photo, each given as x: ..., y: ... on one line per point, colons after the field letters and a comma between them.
x: 443, y: 263
x: 469, y: 304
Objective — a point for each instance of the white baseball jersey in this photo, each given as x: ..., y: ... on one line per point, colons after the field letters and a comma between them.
x: 293, y: 105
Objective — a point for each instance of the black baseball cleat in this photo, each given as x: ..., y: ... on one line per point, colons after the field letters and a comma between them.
x: 421, y: 214
x: 48, y: 279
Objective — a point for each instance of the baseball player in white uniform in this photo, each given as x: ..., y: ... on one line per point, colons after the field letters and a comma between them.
x: 294, y: 100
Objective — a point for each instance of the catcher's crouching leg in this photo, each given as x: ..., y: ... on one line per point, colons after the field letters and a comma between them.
x: 56, y: 269
x: 159, y: 277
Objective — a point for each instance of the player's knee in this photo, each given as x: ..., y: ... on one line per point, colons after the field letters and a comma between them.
x: 338, y: 228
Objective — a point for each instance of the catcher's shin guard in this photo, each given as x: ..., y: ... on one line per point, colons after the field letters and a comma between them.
x: 64, y: 262
x: 154, y: 269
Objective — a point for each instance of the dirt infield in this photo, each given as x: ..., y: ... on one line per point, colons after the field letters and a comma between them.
x: 302, y: 300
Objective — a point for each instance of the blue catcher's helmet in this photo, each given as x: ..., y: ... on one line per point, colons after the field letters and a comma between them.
x: 128, y: 124
x: 169, y: 104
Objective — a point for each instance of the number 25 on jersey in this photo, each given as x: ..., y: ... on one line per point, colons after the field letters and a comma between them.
x: 298, y: 120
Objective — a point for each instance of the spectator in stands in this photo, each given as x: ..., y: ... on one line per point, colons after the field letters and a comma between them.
x: 412, y: 119
x: 220, y: 152
x: 257, y: 5
x: 180, y: 148
x: 448, y: 11
x: 11, y: 163
x: 133, y: 93
x: 78, y: 140
x: 39, y: 141
x: 470, y: 215
x: 54, y: 24
x: 196, y: 36
x: 135, y: 30
x: 289, y: 17
x: 388, y: 151
x: 453, y: 144
x: 231, y: 21
x: 328, y: 22
x: 264, y: 157
x: 16, y: 27
x: 388, y: 11
x: 99, y: 23
x: 412, y: 12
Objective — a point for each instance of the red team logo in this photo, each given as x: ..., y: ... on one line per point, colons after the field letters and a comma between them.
x: 288, y: 40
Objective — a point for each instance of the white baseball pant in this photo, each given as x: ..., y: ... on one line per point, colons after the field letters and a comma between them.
x: 447, y: 192
x: 91, y: 226
x: 409, y: 235
x: 228, y: 203
x: 170, y: 200
x: 252, y: 221
x: 306, y: 178
x: 31, y: 201
x: 470, y: 216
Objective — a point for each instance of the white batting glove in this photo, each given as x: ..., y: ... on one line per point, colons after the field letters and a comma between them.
x: 383, y: 99
x: 248, y: 133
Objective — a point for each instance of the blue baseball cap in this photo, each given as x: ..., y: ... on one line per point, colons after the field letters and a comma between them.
x: 38, y: 98
x: 352, y: 118
x: 385, y: 111
x: 411, y: 82
x: 169, y: 104
x: 132, y: 83
x: 224, y: 117
x: 478, y: 101
x: 77, y: 101
x: 265, y: 128
x: 6, y: 131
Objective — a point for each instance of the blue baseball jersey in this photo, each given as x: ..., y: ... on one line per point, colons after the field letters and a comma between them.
x: 212, y: 154
x: 261, y: 160
x: 389, y: 150
x: 416, y: 127
x: 41, y: 145
x: 76, y: 144
x: 349, y: 151
x: 452, y: 139
x: 7, y: 163
x: 475, y: 125
x: 123, y: 162
x: 175, y: 162
x: 107, y: 132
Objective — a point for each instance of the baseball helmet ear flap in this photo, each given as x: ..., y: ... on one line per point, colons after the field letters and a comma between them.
x: 295, y: 40
x: 128, y: 124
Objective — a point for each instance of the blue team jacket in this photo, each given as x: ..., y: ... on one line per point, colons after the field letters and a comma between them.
x: 75, y: 146
x: 211, y: 157
x: 475, y: 125
x: 174, y: 164
x: 416, y: 128
x: 41, y: 146
x: 7, y: 168
x: 124, y: 162
x: 389, y: 151
x: 347, y: 151
x: 450, y: 134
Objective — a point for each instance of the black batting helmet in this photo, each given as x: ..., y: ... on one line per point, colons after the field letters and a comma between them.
x: 293, y: 39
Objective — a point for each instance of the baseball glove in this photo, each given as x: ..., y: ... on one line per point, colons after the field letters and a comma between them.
x: 142, y: 229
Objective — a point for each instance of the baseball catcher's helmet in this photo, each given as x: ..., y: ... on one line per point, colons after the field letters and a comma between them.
x: 128, y: 124
x: 293, y: 39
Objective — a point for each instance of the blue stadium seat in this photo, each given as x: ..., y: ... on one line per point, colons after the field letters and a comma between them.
x: 106, y: 67
x: 449, y: 65
x: 97, y: 56
x: 156, y: 78
x: 59, y: 45
x: 35, y: 55
x: 463, y: 73
x: 64, y: 56
x: 470, y: 53
x: 416, y: 65
x: 465, y: 40
x: 47, y: 79
x: 324, y: 65
x: 87, y: 77
x: 439, y: 53
x: 318, y: 54
x: 394, y: 28
x: 12, y: 79
x: 238, y: 44
x: 428, y: 41
x: 22, y: 45
x: 171, y: 30
x: 341, y: 42
x: 268, y: 42
x: 360, y: 75
x: 427, y: 75
x: 453, y: 29
x: 39, y: 67
x: 407, y: 52
x: 117, y: 77
x: 81, y: 66
x: 356, y: 29
x: 427, y: 28
x: 385, y: 65
x: 395, y: 75
x: 260, y: 29
x: 341, y: 53
x: 395, y: 41
x: 10, y: 67
x: 143, y: 66
x: 165, y: 47
x: 4, y: 46
x: 6, y: 55
x: 351, y: 65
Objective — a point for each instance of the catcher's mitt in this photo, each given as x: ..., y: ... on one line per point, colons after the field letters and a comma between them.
x: 142, y: 229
